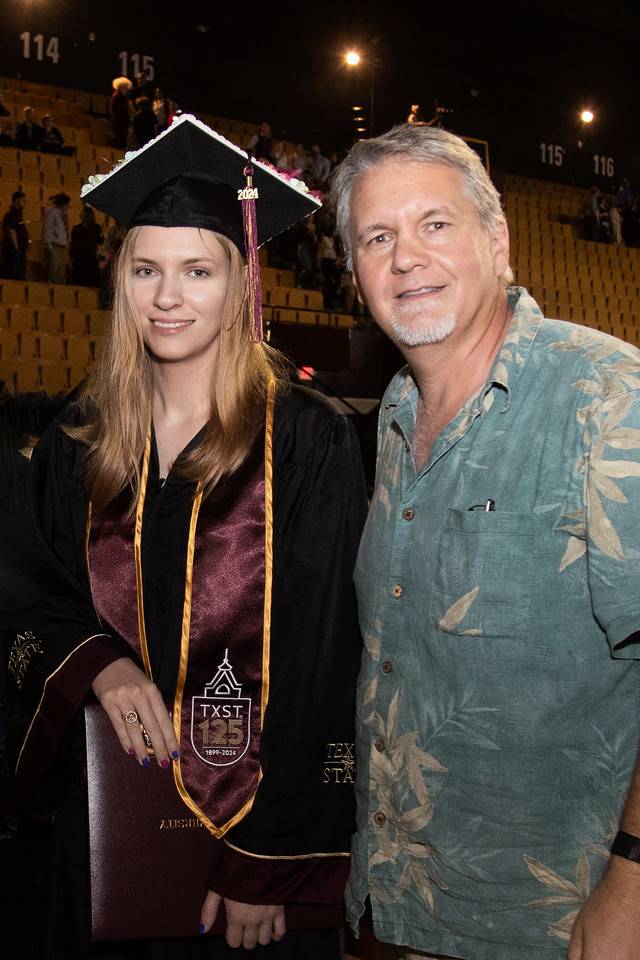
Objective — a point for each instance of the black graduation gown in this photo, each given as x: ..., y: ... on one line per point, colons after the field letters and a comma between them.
x: 319, y: 509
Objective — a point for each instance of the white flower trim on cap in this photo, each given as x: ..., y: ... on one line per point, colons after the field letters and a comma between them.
x: 97, y: 178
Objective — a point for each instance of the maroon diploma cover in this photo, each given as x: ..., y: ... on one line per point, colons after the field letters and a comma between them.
x: 151, y: 857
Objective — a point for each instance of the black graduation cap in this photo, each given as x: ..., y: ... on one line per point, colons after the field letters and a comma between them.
x: 209, y: 172
x: 190, y: 176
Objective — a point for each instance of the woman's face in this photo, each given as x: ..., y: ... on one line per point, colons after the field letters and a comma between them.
x: 180, y: 279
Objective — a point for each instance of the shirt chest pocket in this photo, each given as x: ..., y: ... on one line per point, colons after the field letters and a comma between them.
x: 488, y: 570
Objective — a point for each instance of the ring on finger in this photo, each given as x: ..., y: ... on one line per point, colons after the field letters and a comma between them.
x: 130, y: 716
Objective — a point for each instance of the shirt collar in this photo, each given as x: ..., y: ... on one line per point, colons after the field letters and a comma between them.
x: 526, y: 317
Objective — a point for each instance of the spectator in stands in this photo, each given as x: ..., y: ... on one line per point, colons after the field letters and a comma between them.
x: 320, y: 166
x: 300, y: 160
x: 52, y: 140
x: 113, y: 241
x: 347, y: 289
x: 591, y: 215
x: 625, y: 202
x: 306, y: 254
x: 631, y: 224
x: 604, y: 226
x: 280, y: 156
x: 86, y: 237
x: 28, y: 132
x: 327, y: 261
x: 6, y: 140
x: 615, y: 223
x: 143, y: 123
x: 173, y: 111
x: 15, y: 238
x: 261, y: 144
x: 142, y: 87
x: 120, y: 111
x: 160, y: 107
x: 55, y: 238
x: 3, y: 110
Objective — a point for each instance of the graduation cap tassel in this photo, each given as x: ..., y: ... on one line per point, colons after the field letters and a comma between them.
x: 248, y: 196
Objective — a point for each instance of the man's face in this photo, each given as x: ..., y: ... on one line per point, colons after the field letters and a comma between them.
x: 424, y: 264
x: 19, y: 202
x: 28, y: 115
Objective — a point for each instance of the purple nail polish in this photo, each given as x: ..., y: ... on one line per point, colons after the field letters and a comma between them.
x: 145, y: 762
x: 202, y: 927
x: 164, y: 763
x: 175, y: 754
x: 131, y: 752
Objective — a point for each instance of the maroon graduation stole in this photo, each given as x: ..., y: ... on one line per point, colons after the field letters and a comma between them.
x: 223, y: 677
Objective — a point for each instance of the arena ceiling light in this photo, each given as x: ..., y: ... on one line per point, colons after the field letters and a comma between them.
x: 352, y: 58
x: 587, y: 116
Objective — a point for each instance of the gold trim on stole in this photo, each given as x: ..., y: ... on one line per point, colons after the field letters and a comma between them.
x: 93, y: 636
x: 266, y: 630
x: 295, y: 856
x: 137, y: 553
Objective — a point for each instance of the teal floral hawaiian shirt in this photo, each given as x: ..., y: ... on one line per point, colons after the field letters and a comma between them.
x: 499, y: 700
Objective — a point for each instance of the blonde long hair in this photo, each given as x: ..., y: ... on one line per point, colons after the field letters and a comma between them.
x: 116, y: 401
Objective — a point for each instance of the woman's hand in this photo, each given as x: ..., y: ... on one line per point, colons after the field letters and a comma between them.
x: 123, y: 688
x: 247, y: 924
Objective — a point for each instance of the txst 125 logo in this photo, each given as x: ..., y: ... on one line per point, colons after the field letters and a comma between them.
x: 221, y: 719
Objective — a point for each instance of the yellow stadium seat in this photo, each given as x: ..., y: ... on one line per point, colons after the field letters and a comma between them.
x: 49, y: 161
x: 39, y: 294
x: 48, y: 320
x: 29, y: 158
x: 28, y: 377
x: 27, y: 346
x: 87, y: 298
x: 98, y: 320
x: 52, y: 347
x: 78, y: 351
x: 55, y: 378
x: 64, y: 297
x: 279, y: 297
x: 22, y: 318
x: 8, y: 374
x: 9, y: 172
x: 8, y: 344
x: 74, y: 323
x: 77, y: 374
x: 12, y: 291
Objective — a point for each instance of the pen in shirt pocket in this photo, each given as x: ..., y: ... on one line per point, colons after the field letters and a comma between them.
x: 488, y: 506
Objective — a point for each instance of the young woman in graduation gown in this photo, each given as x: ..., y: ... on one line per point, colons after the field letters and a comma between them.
x: 194, y: 516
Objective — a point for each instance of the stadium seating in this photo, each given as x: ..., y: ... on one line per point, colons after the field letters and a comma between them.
x: 596, y: 284
x: 49, y: 334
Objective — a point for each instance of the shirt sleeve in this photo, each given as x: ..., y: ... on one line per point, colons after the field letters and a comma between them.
x: 613, y: 520
x: 293, y: 846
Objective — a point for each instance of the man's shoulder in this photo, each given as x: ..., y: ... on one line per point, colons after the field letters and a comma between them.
x: 606, y: 364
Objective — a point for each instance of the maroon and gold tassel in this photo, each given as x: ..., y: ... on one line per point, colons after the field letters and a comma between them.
x: 248, y: 197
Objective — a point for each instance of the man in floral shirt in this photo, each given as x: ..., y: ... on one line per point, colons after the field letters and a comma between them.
x: 498, y: 583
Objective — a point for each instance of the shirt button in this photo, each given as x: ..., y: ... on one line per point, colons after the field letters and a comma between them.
x: 379, y: 819
x: 408, y: 513
x: 398, y: 590
x: 387, y: 666
x: 379, y: 745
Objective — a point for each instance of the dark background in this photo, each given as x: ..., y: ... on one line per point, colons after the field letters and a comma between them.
x: 514, y: 74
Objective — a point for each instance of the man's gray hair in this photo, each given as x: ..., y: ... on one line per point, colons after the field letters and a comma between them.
x: 423, y: 145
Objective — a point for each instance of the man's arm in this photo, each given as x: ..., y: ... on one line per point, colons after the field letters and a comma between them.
x: 608, y: 926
